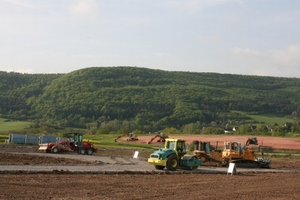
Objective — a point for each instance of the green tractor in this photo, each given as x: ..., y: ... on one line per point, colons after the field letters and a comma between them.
x: 173, y: 157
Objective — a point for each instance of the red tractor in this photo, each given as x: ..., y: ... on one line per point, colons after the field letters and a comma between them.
x: 74, y: 142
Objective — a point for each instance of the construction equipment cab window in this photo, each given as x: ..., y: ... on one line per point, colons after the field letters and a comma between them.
x: 181, y: 147
x: 235, y: 146
x: 170, y: 145
x: 232, y: 146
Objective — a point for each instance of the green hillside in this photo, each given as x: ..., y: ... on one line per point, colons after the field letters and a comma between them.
x: 145, y: 99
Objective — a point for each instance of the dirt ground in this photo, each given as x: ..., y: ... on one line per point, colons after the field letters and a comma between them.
x: 275, y: 142
x: 136, y: 185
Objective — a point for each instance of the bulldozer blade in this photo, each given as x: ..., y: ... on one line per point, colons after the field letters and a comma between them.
x: 43, y: 147
x: 246, y: 163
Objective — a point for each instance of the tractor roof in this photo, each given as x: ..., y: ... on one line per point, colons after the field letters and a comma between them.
x: 174, y: 139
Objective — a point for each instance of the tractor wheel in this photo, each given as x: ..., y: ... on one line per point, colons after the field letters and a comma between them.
x: 54, y: 150
x: 159, y: 167
x: 172, y: 163
x: 82, y: 151
x: 90, y: 151
x: 193, y: 167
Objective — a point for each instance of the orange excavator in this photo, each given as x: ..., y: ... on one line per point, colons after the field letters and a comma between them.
x: 161, y: 138
x: 131, y: 137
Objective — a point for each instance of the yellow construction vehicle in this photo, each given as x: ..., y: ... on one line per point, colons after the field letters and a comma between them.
x: 209, y: 156
x: 161, y: 137
x: 131, y: 137
x: 235, y: 152
x: 173, y: 156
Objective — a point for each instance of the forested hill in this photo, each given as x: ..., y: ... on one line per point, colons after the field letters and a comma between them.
x: 145, y: 98
x: 16, y: 89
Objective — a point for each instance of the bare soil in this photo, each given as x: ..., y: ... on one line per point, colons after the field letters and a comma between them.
x: 58, y: 184
x: 274, y: 142
x: 135, y: 186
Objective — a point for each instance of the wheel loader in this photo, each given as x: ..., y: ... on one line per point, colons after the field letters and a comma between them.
x: 173, y: 156
x: 74, y: 142
x: 235, y: 152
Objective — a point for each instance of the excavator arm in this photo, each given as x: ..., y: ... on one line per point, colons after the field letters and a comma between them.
x: 153, y: 138
x: 252, y: 141
x: 126, y: 134
x: 247, y: 142
x: 161, y: 138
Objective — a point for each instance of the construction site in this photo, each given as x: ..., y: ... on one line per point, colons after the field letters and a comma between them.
x: 28, y: 173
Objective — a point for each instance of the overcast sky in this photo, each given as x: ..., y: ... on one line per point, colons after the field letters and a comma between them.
x: 249, y: 37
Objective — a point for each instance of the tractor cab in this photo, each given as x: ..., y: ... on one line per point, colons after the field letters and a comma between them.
x: 176, y: 145
x: 75, y: 139
x: 233, y: 147
x: 234, y: 150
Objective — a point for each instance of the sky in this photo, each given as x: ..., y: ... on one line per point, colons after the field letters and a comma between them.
x: 247, y: 37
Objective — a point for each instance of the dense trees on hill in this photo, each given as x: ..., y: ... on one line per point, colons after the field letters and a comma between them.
x: 16, y: 89
x: 144, y: 99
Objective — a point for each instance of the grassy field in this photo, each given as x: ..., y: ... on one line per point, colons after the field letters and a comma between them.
x: 108, y: 140
x: 6, y: 125
x: 100, y: 141
x: 266, y: 119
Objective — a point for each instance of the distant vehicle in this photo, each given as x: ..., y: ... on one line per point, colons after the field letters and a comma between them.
x: 161, y: 137
x: 131, y: 137
x: 74, y: 142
